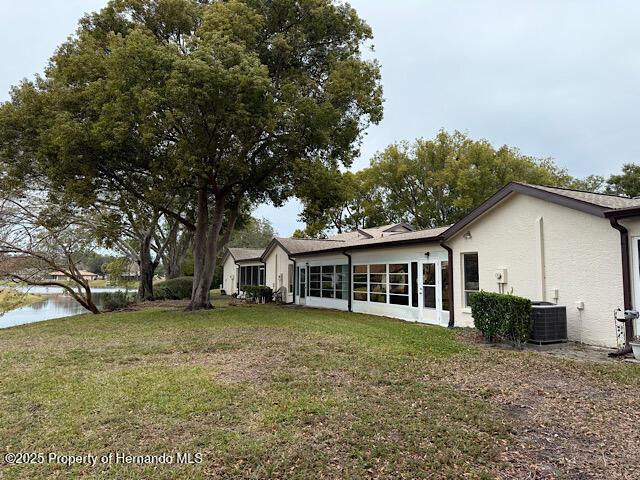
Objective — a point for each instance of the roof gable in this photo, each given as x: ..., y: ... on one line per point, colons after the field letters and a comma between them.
x: 588, y: 202
x: 245, y: 254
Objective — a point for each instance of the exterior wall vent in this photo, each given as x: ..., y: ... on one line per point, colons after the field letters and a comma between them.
x: 548, y: 323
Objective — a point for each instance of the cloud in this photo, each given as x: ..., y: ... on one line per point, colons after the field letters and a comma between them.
x: 556, y: 79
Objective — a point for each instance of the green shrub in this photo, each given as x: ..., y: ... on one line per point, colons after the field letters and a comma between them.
x: 257, y: 292
x: 174, y: 289
x: 115, y: 300
x: 501, y: 316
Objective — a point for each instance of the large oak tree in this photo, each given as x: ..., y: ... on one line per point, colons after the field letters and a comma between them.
x: 217, y: 101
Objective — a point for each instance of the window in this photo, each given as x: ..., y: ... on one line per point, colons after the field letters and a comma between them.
x: 381, y: 283
x: 378, y: 283
x: 444, y: 268
x: 360, y: 286
x: 253, y: 275
x: 342, y: 282
x: 314, y: 281
x: 303, y: 282
x: 290, y: 273
x: 429, y: 285
x: 399, y: 283
x: 329, y: 281
x: 470, y: 275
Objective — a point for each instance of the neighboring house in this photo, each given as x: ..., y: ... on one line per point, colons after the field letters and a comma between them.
x: 577, y: 249
x: 241, y: 266
x: 132, y: 271
x: 61, y: 277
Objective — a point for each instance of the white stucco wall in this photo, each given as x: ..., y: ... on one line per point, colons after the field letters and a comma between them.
x: 578, y: 254
x: 277, y: 270
x: 229, y: 276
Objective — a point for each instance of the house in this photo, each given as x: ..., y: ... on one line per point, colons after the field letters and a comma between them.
x: 569, y: 247
x: 241, y: 266
x: 62, y: 277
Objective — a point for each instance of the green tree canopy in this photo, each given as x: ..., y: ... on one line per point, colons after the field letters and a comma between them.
x: 256, y: 233
x: 217, y: 101
x: 427, y: 183
x: 626, y: 183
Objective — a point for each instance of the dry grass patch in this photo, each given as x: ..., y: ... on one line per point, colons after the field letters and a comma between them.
x: 570, y: 419
x: 271, y: 392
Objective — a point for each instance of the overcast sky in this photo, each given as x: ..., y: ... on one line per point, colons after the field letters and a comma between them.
x: 555, y: 79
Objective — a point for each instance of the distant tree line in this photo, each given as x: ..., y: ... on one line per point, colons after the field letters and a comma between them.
x: 431, y: 183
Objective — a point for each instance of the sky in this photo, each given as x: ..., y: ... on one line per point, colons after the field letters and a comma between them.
x: 555, y: 79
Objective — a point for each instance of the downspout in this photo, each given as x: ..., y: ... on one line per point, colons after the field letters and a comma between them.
x: 450, y: 273
x: 348, y: 255
x: 295, y: 273
x: 626, y: 285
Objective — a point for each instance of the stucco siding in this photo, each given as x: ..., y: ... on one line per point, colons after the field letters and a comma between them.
x: 547, y: 248
x: 229, y: 274
x: 277, y: 270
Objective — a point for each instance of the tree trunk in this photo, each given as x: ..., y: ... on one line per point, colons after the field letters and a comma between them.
x: 87, y: 301
x: 173, y: 267
x: 204, y: 249
x: 147, y: 270
x: 177, y: 247
x: 207, y: 244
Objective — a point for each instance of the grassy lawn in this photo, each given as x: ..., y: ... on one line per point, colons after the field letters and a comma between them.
x: 283, y: 392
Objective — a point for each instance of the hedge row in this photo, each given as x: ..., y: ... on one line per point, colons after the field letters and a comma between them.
x: 501, y: 316
x: 257, y: 293
x: 174, y: 289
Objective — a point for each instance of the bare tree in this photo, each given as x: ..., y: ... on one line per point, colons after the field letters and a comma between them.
x: 177, y: 239
x: 132, y: 227
x: 40, y: 237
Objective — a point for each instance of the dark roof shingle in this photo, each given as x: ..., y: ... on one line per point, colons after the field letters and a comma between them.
x: 601, y: 199
x: 245, y: 254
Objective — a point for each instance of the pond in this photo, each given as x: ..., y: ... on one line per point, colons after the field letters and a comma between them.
x: 54, y: 305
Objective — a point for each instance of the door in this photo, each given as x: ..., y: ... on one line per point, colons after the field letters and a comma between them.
x: 302, y: 285
x: 635, y: 267
x: 432, y: 290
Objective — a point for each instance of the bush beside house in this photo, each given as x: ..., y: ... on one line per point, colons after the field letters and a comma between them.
x: 257, y: 293
x: 500, y: 316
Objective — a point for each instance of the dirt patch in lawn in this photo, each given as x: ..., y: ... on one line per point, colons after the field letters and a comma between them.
x: 249, y: 366
x: 566, y: 424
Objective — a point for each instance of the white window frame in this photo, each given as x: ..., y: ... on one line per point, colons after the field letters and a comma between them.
x: 387, y: 283
x: 464, y: 289
x: 353, y: 292
x: 334, y: 277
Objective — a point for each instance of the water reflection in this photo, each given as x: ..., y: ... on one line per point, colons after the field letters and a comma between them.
x: 55, y: 305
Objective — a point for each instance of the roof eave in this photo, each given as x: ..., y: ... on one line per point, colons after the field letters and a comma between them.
x: 514, y: 187
x: 409, y: 241
x: 622, y: 212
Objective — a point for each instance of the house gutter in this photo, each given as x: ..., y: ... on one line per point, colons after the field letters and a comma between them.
x: 350, y: 300
x: 450, y: 273
x: 626, y: 284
